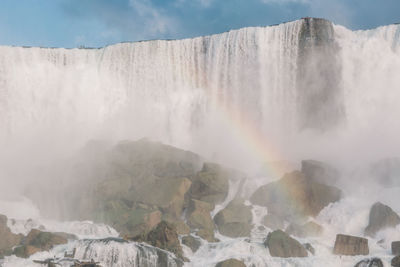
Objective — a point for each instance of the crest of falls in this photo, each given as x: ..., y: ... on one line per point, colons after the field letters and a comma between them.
x: 215, y: 91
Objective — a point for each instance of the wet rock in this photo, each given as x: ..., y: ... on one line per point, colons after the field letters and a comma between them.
x: 282, y: 245
x: 381, y: 217
x: 310, y: 248
x: 37, y: 240
x: 294, y: 196
x: 164, y: 236
x: 396, y: 248
x: 199, y: 217
x: 192, y: 242
x: 7, y: 239
x: 319, y: 172
x: 350, y: 245
x: 211, y: 184
x: 231, y: 263
x: 273, y: 222
x: 395, y: 262
x: 374, y: 262
x: 309, y: 229
x: 235, y: 219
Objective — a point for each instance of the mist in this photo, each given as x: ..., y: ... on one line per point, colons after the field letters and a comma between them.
x: 302, y: 90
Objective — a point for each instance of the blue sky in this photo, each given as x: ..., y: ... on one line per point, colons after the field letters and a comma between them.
x: 95, y: 23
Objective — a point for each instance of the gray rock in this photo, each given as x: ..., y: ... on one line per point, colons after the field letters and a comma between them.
x: 211, y: 184
x: 381, y: 217
x: 192, y: 242
x: 319, y: 172
x: 235, y: 220
x: 282, y: 245
x: 396, y: 247
x: 374, y: 262
x: 395, y: 262
x: 231, y: 263
x: 350, y: 245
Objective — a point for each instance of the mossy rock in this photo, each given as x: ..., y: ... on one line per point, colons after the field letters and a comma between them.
x: 282, y: 245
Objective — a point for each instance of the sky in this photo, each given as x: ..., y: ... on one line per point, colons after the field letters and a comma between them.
x: 97, y: 23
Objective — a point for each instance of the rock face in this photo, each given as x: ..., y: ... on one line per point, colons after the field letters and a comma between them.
x: 374, y: 262
x: 192, y: 242
x: 37, y: 241
x: 309, y: 229
x: 282, y: 245
x: 7, y: 239
x: 381, y: 217
x: 199, y: 217
x: 350, y: 245
x: 235, y: 220
x: 395, y: 261
x: 396, y: 248
x: 164, y: 236
x: 319, y: 172
x: 295, y: 195
x: 231, y: 263
x: 211, y: 184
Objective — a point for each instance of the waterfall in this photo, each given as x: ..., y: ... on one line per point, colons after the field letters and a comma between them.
x: 207, y: 94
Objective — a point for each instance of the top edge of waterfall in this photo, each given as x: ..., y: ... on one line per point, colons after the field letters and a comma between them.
x: 190, y: 38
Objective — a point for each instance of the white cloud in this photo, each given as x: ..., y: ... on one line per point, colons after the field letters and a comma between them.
x: 153, y: 19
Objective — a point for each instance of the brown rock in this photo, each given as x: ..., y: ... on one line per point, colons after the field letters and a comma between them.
x: 282, y: 245
x: 235, y: 219
x: 164, y: 236
x: 199, y: 217
x: 350, y: 245
x: 230, y: 263
x: 192, y: 242
x: 7, y: 239
x: 295, y: 195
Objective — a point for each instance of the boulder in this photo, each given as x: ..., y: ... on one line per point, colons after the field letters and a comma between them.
x: 396, y: 247
x: 282, y: 245
x: 381, y: 217
x: 374, y: 262
x: 192, y: 242
x: 395, y: 262
x: 319, y: 172
x: 211, y: 184
x: 37, y: 240
x: 350, y: 245
x: 294, y: 196
x: 273, y: 222
x: 231, y: 263
x: 164, y: 236
x: 309, y: 229
x: 235, y: 220
x: 7, y: 239
x: 198, y: 217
